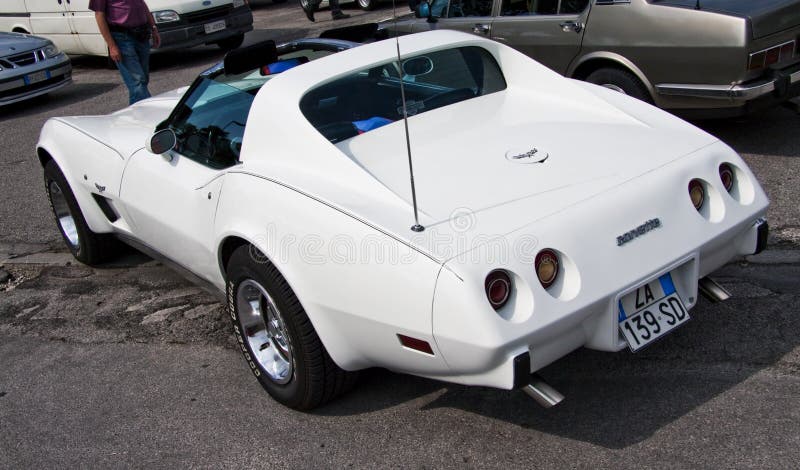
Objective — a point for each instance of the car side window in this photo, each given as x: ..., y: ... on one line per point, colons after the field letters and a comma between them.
x: 542, y: 7
x: 467, y: 8
x: 210, y: 125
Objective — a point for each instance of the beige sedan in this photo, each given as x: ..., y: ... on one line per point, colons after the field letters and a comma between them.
x: 706, y: 58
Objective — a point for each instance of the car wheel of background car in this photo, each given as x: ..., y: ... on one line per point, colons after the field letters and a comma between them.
x: 367, y: 4
x: 231, y: 43
x: 86, y: 246
x: 278, y: 1
x: 276, y: 336
x: 622, y: 81
x: 304, y: 5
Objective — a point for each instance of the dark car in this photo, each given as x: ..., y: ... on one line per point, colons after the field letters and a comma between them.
x: 695, y: 57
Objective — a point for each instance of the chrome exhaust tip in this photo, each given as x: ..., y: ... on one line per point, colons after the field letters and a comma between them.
x: 712, y: 291
x: 542, y: 392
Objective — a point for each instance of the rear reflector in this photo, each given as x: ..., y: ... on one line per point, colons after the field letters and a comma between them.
x: 697, y: 193
x: 726, y: 175
x: 415, y: 344
x: 498, y: 288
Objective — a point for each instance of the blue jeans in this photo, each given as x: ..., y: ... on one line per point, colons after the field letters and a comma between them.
x: 134, y: 66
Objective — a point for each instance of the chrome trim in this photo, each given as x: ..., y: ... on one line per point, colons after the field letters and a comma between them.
x: 722, y: 92
x: 794, y: 77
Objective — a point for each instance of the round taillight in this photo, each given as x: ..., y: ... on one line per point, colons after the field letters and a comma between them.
x: 726, y: 175
x: 546, y: 265
x: 498, y: 288
x: 697, y: 193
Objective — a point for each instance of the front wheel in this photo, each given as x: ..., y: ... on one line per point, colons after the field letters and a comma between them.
x: 276, y: 336
x: 85, y: 245
x: 231, y: 43
x: 621, y: 81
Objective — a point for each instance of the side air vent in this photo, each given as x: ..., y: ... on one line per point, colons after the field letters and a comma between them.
x: 105, y: 206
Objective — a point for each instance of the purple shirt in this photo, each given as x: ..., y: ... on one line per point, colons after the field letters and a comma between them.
x: 125, y: 13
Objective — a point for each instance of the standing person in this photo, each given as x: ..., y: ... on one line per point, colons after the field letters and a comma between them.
x: 336, y: 10
x: 127, y: 26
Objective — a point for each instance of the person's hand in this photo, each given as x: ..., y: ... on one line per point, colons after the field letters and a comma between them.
x: 156, y: 39
x: 113, y: 52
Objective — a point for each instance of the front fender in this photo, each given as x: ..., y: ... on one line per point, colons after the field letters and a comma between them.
x: 88, y: 165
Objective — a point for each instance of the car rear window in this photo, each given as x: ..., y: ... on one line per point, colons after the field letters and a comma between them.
x: 371, y: 98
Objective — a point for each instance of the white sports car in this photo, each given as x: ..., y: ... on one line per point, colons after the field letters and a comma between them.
x: 544, y: 214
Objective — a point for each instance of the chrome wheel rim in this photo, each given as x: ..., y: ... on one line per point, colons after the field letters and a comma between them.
x: 64, y: 216
x: 265, y: 331
x: 364, y: 3
x: 616, y: 88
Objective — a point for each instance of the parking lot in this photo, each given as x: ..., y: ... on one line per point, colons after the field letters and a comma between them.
x: 130, y: 365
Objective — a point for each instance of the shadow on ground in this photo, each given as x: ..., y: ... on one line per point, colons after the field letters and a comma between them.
x: 772, y: 132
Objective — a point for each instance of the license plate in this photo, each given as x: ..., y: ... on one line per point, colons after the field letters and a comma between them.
x: 650, y: 312
x: 36, y: 77
x: 214, y: 27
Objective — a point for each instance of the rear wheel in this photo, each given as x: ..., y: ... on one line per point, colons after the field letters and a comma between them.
x: 276, y: 336
x: 85, y: 245
x: 367, y: 4
x: 231, y: 43
x: 621, y: 81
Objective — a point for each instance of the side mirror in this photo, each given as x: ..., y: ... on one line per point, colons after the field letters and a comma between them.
x: 162, y: 142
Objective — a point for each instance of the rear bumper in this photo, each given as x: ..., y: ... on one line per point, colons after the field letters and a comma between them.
x: 19, y: 88
x: 735, y: 100
x: 174, y: 37
x: 596, y: 326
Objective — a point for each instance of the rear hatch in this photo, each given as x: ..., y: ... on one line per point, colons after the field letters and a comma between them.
x: 506, y: 159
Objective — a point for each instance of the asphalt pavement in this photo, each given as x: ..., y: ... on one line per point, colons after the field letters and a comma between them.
x: 128, y: 365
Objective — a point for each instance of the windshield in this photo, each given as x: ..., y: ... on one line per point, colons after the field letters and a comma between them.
x: 368, y: 99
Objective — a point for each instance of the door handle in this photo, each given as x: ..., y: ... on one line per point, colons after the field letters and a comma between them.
x: 481, y: 28
x: 568, y: 26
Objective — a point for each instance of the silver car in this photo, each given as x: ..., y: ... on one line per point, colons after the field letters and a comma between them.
x: 30, y: 66
x: 698, y: 58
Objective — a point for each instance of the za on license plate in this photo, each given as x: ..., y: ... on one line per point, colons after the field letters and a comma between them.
x: 36, y: 77
x: 214, y: 27
x: 650, y: 312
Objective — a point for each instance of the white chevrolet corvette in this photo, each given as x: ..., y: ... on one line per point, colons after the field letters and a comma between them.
x: 544, y: 214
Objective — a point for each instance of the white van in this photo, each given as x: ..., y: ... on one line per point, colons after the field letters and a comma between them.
x: 181, y: 23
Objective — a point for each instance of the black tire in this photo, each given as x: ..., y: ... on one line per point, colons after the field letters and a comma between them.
x: 89, y: 248
x: 314, y: 379
x: 622, y: 81
x: 231, y: 43
x: 367, y: 5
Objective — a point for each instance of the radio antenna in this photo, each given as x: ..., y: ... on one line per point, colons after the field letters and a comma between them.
x: 416, y: 227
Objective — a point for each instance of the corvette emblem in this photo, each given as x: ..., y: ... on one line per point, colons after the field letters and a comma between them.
x: 648, y: 226
x: 529, y: 156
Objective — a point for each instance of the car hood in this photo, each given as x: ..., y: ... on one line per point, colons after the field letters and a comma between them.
x: 524, y: 156
x: 127, y: 129
x: 11, y: 43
